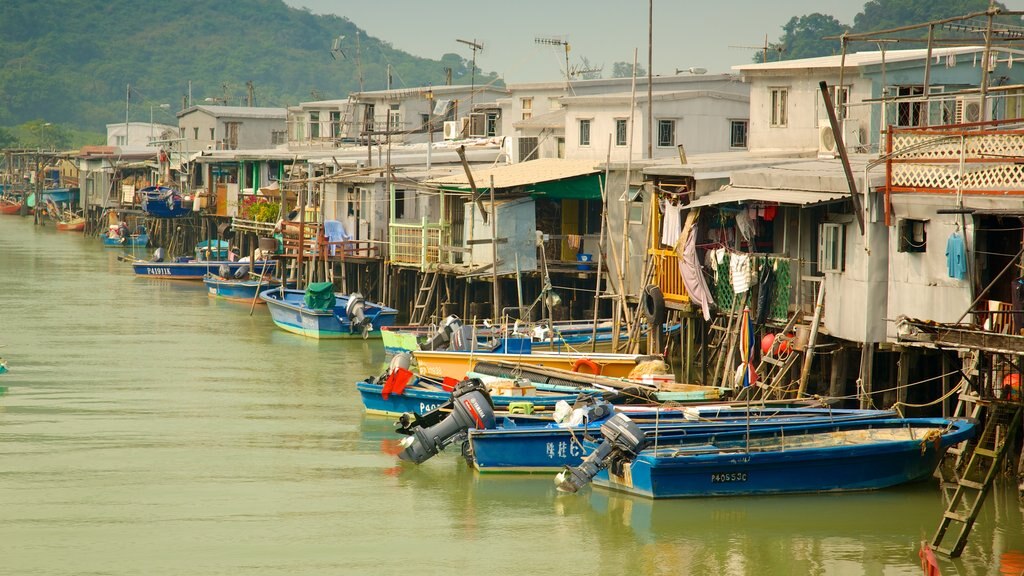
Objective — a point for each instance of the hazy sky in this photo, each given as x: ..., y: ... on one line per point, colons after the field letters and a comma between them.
x: 687, y: 33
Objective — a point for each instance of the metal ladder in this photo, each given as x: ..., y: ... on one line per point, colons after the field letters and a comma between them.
x: 1003, y: 420
x: 421, y: 308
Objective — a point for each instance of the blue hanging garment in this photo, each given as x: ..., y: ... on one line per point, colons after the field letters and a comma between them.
x: 956, y: 256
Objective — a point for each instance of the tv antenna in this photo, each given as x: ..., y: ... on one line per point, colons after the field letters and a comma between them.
x: 555, y: 41
x: 472, y: 78
x: 336, y: 48
x: 777, y: 48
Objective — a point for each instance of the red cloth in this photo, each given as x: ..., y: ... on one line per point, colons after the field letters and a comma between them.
x: 449, y: 383
x: 929, y: 564
x: 396, y: 382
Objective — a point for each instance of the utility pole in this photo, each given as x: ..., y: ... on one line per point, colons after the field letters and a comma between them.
x: 250, y: 94
x: 650, y: 81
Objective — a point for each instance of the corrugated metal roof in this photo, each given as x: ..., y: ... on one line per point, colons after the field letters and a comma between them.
x: 728, y: 194
x: 554, y: 120
x: 523, y: 173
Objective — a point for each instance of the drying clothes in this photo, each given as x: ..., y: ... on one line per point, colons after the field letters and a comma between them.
x: 956, y: 256
x: 739, y: 269
x: 765, y: 290
x: 693, y: 276
x: 745, y: 226
x: 770, y: 212
x: 574, y: 241
x: 671, y: 224
x: 335, y: 232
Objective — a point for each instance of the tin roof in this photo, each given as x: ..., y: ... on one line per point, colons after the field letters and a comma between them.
x: 523, y: 173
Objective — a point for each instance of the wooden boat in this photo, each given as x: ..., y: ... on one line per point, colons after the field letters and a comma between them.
x: 71, y: 224
x: 186, y: 268
x: 452, y: 364
x: 541, y: 445
x: 240, y: 290
x: 164, y: 202
x: 423, y: 395
x: 344, y: 317
x: 865, y: 455
x: 114, y: 237
x: 10, y: 206
x: 558, y: 336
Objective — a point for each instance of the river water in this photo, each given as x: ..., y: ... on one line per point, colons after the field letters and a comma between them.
x: 149, y: 429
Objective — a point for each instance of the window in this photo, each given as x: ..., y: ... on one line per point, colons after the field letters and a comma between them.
x: 584, y: 132
x: 195, y: 133
x: 913, y: 235
x: 528, y: 149
x: 492, y: 124
x: 666, y: 133
x: 780, y: 96
x: 527, y: 107
x: 425, y: 121
x: 181, y: 132
x: 560, y: 143
x: 620, y: 132
x: 909, y: 113
x: 278, y: 137
x: 394, y: 117
x: 314, y: 125
x: 738, y: 134
x: 636, y: 205
x: 231, y: 130
x: 336, y: 124
x: 213, y: 134
x: 399, y: 204
x: 832, y: 247
x: 121, y: 140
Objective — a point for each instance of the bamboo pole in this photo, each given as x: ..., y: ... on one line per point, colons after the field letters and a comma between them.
x: 600, y: 244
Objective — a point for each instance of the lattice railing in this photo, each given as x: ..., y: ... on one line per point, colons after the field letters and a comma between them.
x: 666, y: 275
x: 415, y: 244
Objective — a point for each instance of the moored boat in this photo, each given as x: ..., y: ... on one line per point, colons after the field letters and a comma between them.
x: 241, y: 290
x: 455, y: 364
x: 833, y: 457
x: 318, y: 312
x: 185, y: 268
x: 164, y: 202
x: 71, y: 224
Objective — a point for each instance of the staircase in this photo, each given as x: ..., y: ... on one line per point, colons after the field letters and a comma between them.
x: 1002, y: 420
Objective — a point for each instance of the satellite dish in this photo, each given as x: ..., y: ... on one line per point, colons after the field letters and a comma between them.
x: 336, y: 48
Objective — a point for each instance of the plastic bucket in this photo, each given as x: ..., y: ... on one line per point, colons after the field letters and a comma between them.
x: 582, y: 257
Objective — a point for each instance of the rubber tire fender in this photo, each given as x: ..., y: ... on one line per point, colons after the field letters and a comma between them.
x: 653, y: 302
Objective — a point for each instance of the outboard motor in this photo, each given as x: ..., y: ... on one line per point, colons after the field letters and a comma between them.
x: 242, y: 272
x: 440, y: 340
x: 158, y: 255
x: 623, y: 440
x: 470, y: 406
x: 356, y: 312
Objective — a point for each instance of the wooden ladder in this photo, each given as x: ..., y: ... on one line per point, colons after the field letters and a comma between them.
x: 424, y: 297
x: 1002, y: 420
x: 969, y: 405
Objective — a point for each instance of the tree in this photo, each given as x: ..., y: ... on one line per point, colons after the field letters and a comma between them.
x: 625, y: 70
x: 885, y: 14
x: 804, y: 37
x: 7, y: 139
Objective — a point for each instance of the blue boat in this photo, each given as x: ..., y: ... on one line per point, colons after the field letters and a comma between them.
x: 424, y: 395
x: 243, y: 290
x: 339, y: 316
x: 164, y: 202
x: 544, y: 446
x: 212, y: 250
x: 186, y: 268
x: 835, y: 457
x: 116, y: 237
x: 56, y: 195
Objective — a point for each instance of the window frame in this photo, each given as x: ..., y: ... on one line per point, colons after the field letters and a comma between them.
x: 832, y: 247
x: 621, y: 131
x: 584, y: 125
x: 671, y: 123
x: 779, y: 106
x: 733, y: 124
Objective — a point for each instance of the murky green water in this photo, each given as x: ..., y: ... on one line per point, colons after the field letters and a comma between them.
x: 149, y: 429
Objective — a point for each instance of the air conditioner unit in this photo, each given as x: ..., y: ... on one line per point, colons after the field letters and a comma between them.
x: 827, y: 145
x: 968, y: 109
x: 452, y: 129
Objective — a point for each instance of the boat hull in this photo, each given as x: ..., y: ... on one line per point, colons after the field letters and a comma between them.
x: 192, y: 269
x: 10, y: 208
x: 440, y: 364
x: 137, y: 240
x: 696, y: 470
x: 74, y: 225
x: 290, y: 313
x: 420, y: 401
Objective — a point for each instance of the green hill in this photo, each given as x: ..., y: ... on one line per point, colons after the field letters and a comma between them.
x: 69, y: 61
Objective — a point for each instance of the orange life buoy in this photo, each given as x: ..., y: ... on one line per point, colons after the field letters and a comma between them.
x: 593, y: 366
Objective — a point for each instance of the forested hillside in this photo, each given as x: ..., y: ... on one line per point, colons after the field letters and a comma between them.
x: 69, y: 61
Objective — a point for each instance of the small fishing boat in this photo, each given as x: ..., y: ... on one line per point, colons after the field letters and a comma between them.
x: 558, y: 336
x: 455, y: 364
x: 833, y: 457
x: 72, y: 223
x: 119, y: 236
x: 164, y: 202
x: 11, y: 206
x: 242, y: 290
x: 186, y: 268
x: 318, y: 312
x: 519, y: 444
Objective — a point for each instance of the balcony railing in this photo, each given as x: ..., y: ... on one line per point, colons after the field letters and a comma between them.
x: 417, y: 245
x: 667, y: 276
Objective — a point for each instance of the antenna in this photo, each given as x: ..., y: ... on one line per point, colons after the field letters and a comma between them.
x: 555, y: 41
x: 777, y: 48
x: 472, y: 79
x: 336, y: 48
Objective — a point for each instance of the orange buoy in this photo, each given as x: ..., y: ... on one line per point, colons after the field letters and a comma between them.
x: 590, y: 364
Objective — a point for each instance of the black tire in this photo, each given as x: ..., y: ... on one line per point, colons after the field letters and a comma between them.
x: 653, y: 302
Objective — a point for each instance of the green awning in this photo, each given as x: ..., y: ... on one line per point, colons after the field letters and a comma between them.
x: 579, y: 188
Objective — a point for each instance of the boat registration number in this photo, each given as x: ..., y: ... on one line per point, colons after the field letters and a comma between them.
x: 158, y: 271
x: 721, y: 477
x: 424, y: 407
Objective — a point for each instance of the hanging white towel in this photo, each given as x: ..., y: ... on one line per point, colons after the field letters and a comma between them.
x: 671, y: 224
x: 739, y: 268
